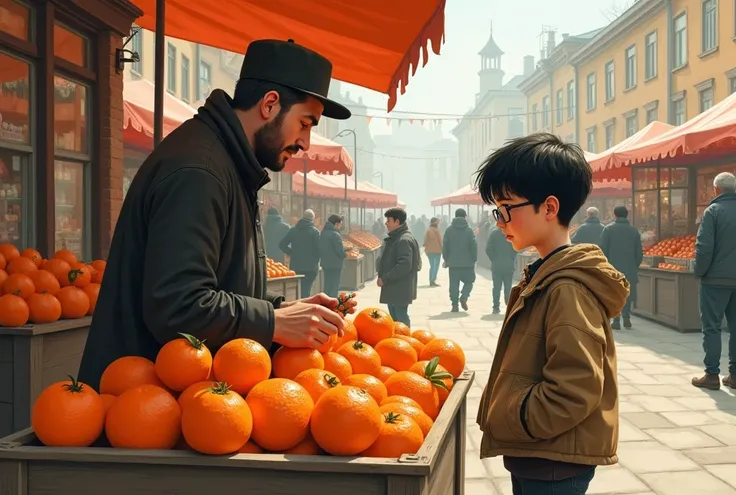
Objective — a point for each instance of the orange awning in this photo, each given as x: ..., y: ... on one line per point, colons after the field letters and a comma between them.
x: 138, y: 113
x: 323, y: 156
x: 712, y: 131
x: 613, y: 189
x: 466, y: 195
x: 373, y: 44
x: 333, y: 187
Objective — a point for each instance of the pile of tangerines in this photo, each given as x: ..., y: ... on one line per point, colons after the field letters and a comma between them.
x: 274, y: 269
x: 37, y: 290
x: 375, y: 391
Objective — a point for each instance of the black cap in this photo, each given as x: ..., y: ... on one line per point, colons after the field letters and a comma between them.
x: 293, y: 66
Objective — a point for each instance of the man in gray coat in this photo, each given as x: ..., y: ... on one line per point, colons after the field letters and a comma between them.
x: 621, y: 243
x: 590, y: 231
x: 398, y: 266
x: 301, y: 244
x: 460, y: 252
x: 503, y: 260
x: 715, y: 266
x: 332, y: 254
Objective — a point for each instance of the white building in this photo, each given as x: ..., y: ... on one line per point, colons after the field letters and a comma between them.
x: 498, y: 114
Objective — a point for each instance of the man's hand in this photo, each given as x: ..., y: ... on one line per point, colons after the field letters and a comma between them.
x: 379, y: 282
x: 303, y: 324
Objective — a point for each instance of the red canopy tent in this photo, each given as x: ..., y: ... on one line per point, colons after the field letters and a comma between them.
x: 323, y: 156
x: 466, y: 195
x: 333, y: 187
x: 712, y: 132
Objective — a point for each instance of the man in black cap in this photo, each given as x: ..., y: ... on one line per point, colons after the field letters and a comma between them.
x: 188, y: 253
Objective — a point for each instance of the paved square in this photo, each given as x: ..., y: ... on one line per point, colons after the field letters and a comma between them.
x: 674, y: 439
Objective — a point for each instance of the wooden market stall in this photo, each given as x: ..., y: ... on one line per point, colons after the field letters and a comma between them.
x: 672, y: 177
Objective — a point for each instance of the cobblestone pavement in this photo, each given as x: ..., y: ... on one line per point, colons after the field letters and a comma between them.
x: 674, y: 439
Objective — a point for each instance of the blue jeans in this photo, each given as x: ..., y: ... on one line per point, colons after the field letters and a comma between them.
x: 434, y: 266
x: 715, y: 302
x: 467, y: 277
x: 400, y: 313
x: 577, y: 485
x: 307, y: 282
x: 332, y: 281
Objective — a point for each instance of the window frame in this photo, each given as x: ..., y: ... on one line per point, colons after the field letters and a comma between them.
x: 609, y: 69
x: 590, y: 89
x: 571, y: 100
x: 171, y: 58
x: 136, y: 46
x: 186, y: 77
x: 704, y: 36
x: 650, y: 55
x: 677, y: 40
x: 705, y: 92
x: 545, y: 112
x: 560, y: 103
x: 591, y: 140
x: 630, y: 72
x: 200, y: 91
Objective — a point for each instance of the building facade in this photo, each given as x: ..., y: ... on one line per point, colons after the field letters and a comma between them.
x: 665, y: 60
x: 498, y: 113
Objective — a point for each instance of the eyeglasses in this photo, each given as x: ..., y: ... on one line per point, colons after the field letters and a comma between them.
x: 502, y: 213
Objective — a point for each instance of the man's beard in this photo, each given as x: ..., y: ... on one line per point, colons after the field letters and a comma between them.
x: 269, y: 144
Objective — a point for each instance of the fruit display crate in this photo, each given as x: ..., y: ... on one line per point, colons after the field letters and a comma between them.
x: 668, y: 297
x: 289, y: 287
x: 31, y: 358
x: 352, y: 274
x: 649, y: 261
x: 438, y: 468
x: 369, y: 263
x: 688, y: 264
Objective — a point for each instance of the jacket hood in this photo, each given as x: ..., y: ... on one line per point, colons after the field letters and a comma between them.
x: 329, y: 226
x: 304, y: 224
x: 592, y: 220
x: 398, y: 231
x: 459, y: 223
x: 217, y: 112
x: 273, y: 218
x: 724, y: 197
x: 586, y: 264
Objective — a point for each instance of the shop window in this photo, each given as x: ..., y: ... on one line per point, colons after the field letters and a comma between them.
x: 591, y: 92
x: 706, y: 99
x: 646, y: 203
x: 14, y: 197
x: 560, y: 104
x: 631, y: 67
x: 650, y: 56
x: 171, y: 69
x: 71, y: 165
x: 610, y: 81
x: 710, y: 25
x: 674, y: 212
x: 571, y: 99
x: 680, y: 25
x: 15, y: 19
x: 70, y: 46
x: 704, y: 186
x: 15, y: 100
x: 185, y: 78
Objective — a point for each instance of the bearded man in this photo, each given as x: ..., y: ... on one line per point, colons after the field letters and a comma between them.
x: 188, y: 254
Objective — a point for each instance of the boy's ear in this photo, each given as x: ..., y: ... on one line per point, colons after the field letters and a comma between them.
x: 553, y: 206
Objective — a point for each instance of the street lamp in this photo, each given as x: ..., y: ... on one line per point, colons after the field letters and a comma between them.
x: 379, y: 174
x: 345, y: 132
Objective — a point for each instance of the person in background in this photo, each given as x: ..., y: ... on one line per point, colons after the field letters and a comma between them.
x: 621, y: 243
x: 398, y: 266
x: 715, y: 266
x: 484, y: 231
x: 378, y: 229
x: 503, y: 259
x: 433, y: 249
x: 590, y: 231
x: 301, y: 244
x: 460, y: 253
x: 274, y: 230
x: 332, y: 254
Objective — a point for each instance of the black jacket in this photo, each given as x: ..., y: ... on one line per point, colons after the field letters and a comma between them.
x: 187, y: 254
x: 398, y: 265
x: 302, y: 246
x: 275, y: 230
x: 459, y: 248
x: 501, y: 252
x: 331, y: 250
x: 589, y: 232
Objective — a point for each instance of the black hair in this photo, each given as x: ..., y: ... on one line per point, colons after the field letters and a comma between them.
x: 273, y: 211
x: 248, y: 92
x: 460, y: 212
x: 535, y: 167
x: 621, y: 212
x: 397, y: 214
x: 335, y: 219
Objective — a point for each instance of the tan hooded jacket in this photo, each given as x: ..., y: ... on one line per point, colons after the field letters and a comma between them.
x: 556, y: 357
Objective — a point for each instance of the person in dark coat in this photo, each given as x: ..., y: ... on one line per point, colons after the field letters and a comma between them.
x: 398, y: 266
x: 715, y: 266
x: 332, y: 254
x: 621, y: 243
x: 301, y: 244
x: 590, y: 231
x: 503, y: 259
x: 274, y: 230
x: 484, y: 232
x: 460, y: 252
x: 188, y: 253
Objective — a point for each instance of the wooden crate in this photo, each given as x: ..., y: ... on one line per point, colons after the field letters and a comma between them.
x: 26, y: 468
x: 352, y: 274
x: 369, y: 263
x: 319, y: 283
x: 289, y: 287
x: 31, y: 358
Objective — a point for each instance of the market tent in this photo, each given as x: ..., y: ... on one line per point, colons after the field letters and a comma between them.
x: 466, y: 195
x: 333, y: 187
x: 372, y: 44
x: 713, y: 131
x: 323, y: 157
x: 601, y: 162
x: 138, y: 113
x: 369, y: 186
x: 614, y: 189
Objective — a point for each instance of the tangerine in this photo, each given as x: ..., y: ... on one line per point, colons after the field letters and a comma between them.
x: 401, y: 329
x: 349, y: 333
x: 399, y: 435
x: 370, y: 384
x: 316, y: 382
x: 437, y: 374
x: 183, y: 362
x: 144, y: 417
x: 192, y: 390
x: 59, y: 269
x: 80, y: 275
x: 66, y: 255
x: 423, y: 336
x: 373, y: 325
x: 289, y: 362
x: 32, y: 255
x: 14, y: 311
x: 44, y: 282
x: 329, y: 344
x: 362, y: 357
x: 19, y: 284
x: 396, y: 353
x: 416, y: 387
x: 74, y: 302
x: 449, y: 352
x: 413, y: 411
x: 21, y: 265
x: 416, y: 344
x: 107, y: 400
x: 250, y: 447
x: 338, y: 365
x: 43, y: 308
x: 93, y: 293
x: 9, y: 252
x: 385, y: 373
x: 128, y: 372
x: 399, y: 399
x: 241, y: 363
x: 306, y: 447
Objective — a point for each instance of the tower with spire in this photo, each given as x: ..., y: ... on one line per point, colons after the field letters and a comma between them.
x: 491, y: 74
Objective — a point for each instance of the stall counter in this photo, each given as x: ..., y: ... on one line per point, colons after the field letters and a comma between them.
x: 668, y: 297
x: 352, y: 274
x: 289, y: 287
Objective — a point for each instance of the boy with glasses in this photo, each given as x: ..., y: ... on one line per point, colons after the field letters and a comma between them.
x: 550, y: 407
